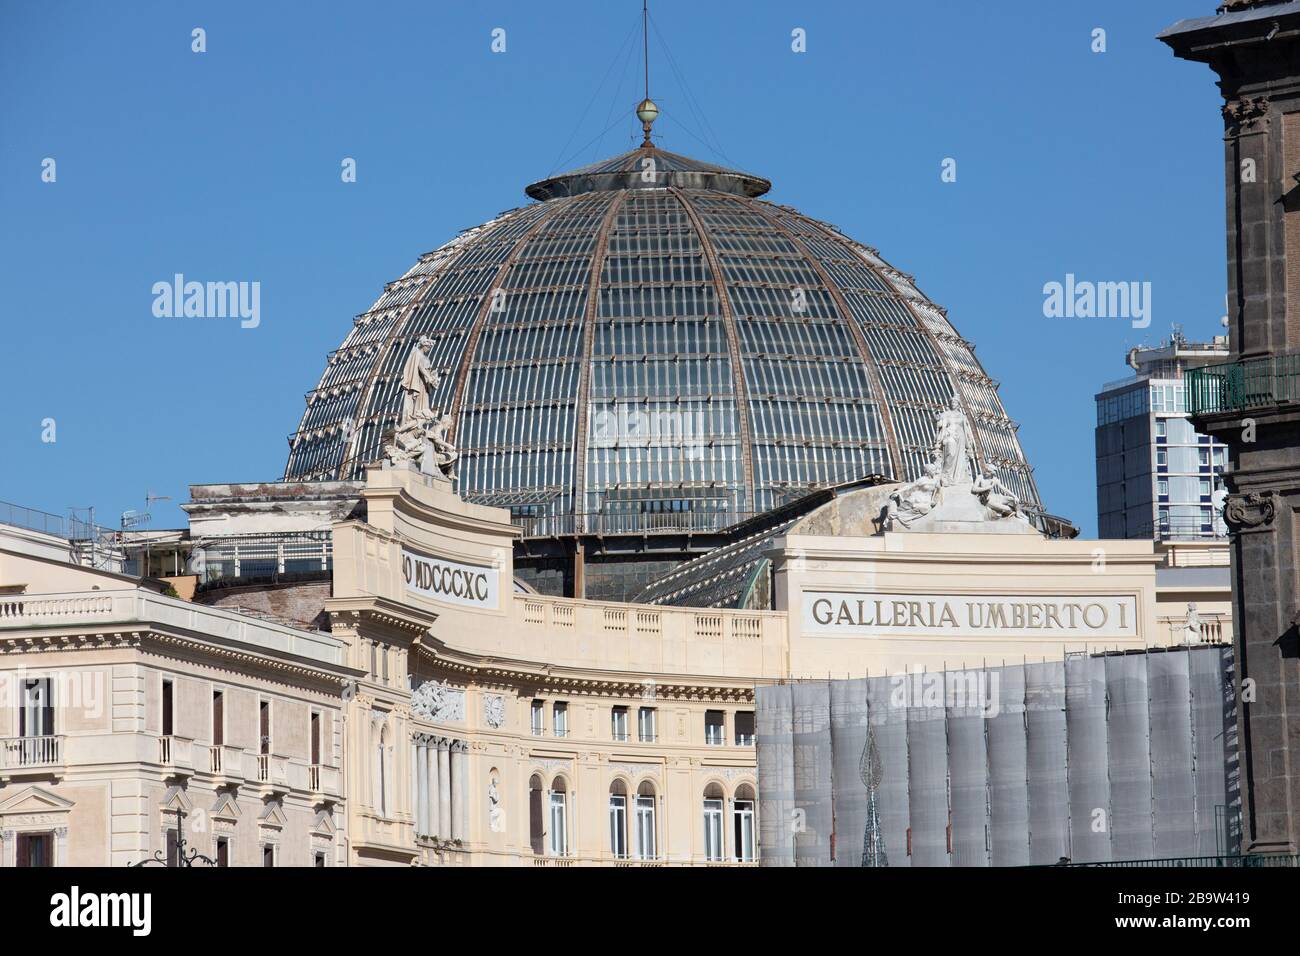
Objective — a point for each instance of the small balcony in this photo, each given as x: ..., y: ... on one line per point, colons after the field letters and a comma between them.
x: 226, y: 764
x: 30, y: 756
x: 176, y: 754
x: 323, y: 781
x: 270, y: 773
x: 1241, y: 386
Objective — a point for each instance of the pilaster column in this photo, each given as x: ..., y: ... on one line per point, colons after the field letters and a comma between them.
x: 430, y: 784
x: 444, y: 785
x: 460, y: 781
x: 421, y: 777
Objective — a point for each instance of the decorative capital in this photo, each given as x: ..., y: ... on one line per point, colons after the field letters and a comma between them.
x: 1249, y: 511
x: 1243, y: 113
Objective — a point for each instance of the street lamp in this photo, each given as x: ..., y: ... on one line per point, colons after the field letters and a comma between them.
x: 182, y: 859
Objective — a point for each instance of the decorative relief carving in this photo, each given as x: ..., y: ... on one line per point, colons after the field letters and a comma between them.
x: 1249, y: 511
x: 551, y: 763
x: 636, y: 769
x: 494, y: 710
x: 1243, y: 113
x: 731, y: 773
x: 35, y: 819
x: 438, y: 702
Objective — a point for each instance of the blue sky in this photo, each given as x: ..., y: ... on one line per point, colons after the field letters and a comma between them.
x: 225, y: 165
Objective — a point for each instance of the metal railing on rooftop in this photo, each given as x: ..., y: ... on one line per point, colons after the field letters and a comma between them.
x: 33, y: 519
x: 1239, y: 386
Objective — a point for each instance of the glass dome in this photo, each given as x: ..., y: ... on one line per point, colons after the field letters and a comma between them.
x: 650, y: 346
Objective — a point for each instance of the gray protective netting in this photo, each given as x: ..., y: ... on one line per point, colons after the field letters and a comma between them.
x: 1094, y: 758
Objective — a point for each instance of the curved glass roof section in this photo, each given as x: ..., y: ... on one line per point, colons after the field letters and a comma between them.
x: 652, y: 347
x: 649, y: 168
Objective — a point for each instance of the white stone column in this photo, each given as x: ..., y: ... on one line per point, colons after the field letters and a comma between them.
x: 421, y: 777
x: 430, y: 784
x: 460, y: 796
x: 444, y: 787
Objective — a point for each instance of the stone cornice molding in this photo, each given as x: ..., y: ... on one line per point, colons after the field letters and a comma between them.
x: 412, y: 508
x: 381, y: 612
x: 551, y: 678
x: 330, y: 678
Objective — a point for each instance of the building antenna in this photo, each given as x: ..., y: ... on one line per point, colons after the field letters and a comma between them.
x: 646, y: 111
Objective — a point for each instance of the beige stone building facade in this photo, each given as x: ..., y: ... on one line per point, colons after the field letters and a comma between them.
x: 424, y: 708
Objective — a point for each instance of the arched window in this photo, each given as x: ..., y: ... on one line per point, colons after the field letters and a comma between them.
x: 742, y: 824
x: 713, y: 826
x: 536, y: 828
x: 645, y: 847
x: 559, y: 817
x: 618, y: 819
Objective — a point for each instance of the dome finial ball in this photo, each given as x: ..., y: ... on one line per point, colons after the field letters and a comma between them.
x: 647, y: 112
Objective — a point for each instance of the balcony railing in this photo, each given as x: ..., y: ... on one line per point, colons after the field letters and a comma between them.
x: 1239, y: 386
x: 21, y: 753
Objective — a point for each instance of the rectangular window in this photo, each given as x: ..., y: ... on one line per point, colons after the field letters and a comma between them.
x: 223, y: 851
x: 320, y: 859
x: 1162, y: 487
x: 744, y: 728
x: 713, y: 831
x: 315, y: 737
x: 35, y: 849
x: 560, y: 719
x: 1162, y: 428
x: 264, y: 725
x: 538, y: 718
x: 645, y: 725
x: 743, y: 820
x: 167, y: 707
x: 173, y: 848
x: 1203, y: 457
x: 618, y: 825
x: 715, y: 732
x: 218, y: 718
x: 619, y: 723
x: 1162, y: 457
x: 559, y: 825
x: 268, y: 855
x: 36, y: 716
x: 645, y: 828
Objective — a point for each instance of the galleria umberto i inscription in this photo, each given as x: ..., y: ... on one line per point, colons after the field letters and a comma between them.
x: 848, y: 614
x: 451, y: 582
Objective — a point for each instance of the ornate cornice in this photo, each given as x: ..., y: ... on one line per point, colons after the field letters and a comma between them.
x: 248, y: 663
x: 549, y: 678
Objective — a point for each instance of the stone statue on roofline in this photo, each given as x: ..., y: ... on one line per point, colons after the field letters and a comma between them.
x: 952, y: 444
x: 952, y: 496
x: 421, y: 434
x: 913, y: 500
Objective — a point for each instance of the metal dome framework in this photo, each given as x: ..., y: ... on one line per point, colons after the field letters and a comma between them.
x: 653, y: 346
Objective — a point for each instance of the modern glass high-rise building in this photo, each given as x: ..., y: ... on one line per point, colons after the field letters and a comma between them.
x: 1156, y: 476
